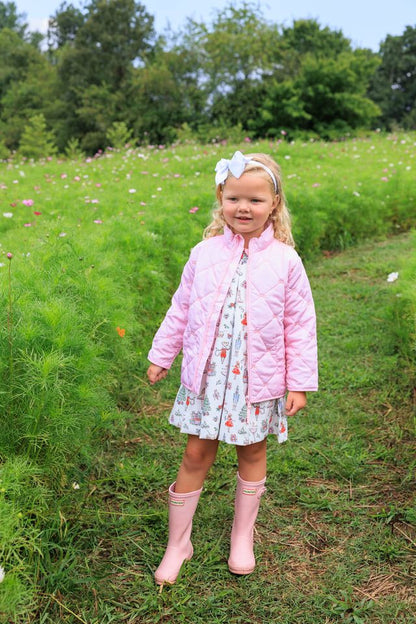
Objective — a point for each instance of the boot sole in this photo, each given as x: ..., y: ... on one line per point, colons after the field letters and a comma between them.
x: 240, y: 572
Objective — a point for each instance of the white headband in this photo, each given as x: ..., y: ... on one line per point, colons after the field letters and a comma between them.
x: 236, y: 166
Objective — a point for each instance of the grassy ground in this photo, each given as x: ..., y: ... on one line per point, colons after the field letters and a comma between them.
x: 337, y: 528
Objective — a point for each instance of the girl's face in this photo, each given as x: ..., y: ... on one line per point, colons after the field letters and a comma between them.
x: 247, y: 203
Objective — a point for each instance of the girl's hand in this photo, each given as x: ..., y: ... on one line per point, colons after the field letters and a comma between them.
x: 295, y: 401
x: 156, y: 373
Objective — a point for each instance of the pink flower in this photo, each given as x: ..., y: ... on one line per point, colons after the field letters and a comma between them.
x: 194, y: 209
x: 97, y: 221
x: 316, y: 184
x: 9, y: 255
x: 37, y: 213
x: 384, y: 179
x: 28, y: 225
x: 63, y: 176
x: 28, y: 202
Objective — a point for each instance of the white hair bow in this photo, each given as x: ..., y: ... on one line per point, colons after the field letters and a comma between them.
x: 236, y: 166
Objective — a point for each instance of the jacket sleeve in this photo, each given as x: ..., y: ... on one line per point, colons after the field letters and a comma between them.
x: 300, y: 331
x: 168, y: 340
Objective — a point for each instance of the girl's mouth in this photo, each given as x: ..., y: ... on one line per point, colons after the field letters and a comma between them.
x: 243, y: 218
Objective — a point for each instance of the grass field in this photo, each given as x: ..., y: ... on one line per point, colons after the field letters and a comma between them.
x: 86, y: 453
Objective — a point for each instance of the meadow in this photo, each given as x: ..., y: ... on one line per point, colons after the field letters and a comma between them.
x: 90, y: 254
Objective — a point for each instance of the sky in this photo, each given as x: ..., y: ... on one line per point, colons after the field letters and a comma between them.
x: 365, y: 22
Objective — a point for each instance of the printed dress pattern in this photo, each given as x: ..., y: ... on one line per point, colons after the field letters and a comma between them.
x: 220, y: 410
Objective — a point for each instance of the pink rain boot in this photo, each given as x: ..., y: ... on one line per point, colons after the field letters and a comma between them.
x: 247, y: 501
x: 179, y: 549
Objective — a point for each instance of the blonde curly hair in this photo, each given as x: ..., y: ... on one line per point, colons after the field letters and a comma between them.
x: 280, y: 217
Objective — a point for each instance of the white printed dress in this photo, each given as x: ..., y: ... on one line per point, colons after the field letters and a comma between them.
x: 220, y: 410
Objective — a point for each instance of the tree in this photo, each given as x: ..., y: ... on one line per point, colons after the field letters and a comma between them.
x: 393, y: 86
x: 319, y: 85
x: 27, y: 85
x: 37, y: 141
x: 96, y: 63
x: 64, y: 25
x: 9, y: 18
x: 232, y: 56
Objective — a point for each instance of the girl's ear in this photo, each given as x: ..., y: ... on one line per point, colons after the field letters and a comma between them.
x: 276, y: 201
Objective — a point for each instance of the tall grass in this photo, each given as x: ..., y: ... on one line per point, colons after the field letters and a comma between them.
x: 98, y: 247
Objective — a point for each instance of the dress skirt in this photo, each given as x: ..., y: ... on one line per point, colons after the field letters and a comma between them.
x: 220, y: 411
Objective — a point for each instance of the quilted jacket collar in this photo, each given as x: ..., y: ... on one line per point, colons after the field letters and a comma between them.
x: 258, y: 243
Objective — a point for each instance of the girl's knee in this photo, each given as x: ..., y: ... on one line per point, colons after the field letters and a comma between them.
x: 253, y: 453
x: 197, y: 456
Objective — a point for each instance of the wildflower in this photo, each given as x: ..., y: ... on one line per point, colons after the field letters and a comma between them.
x: 121, y: 332
x: 316, y: 185
x: 283, y: 132
x: 63, y: 176
x: 27, y: 225
x: 356, y: 193
x: 8, y: 215
x: 75, y: 485
x: 2, y: 574
x: 194, y: 209
x: 384, y: 179
x: 9, y: 255
x: 28, y: 202
x: 132, y: 190
x: 37, y: 213
x: 62, y: 234
x: 97, y: 221
x: 392, y: 277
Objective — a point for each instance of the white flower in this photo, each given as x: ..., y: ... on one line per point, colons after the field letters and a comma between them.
x: 8, y: 215
x: 75, y: 485
x: 2, y: 574
x: 392, y: 277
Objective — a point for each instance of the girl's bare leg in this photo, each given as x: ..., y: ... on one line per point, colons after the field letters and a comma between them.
x: 197, y: 459
x: 252, y: 461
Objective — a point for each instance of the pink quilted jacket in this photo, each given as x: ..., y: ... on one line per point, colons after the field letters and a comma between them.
x: 281, y: 332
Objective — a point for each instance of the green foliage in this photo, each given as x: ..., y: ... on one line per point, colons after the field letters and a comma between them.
x: 119, y: 135
x: 403, y: 312
x: 73, y: 150
x: 105, y: 65
x: 91, y: 277
x: 393, y: 86
x: 37, y: 141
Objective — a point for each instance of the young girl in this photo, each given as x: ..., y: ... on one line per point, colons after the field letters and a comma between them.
x: 244, y: 318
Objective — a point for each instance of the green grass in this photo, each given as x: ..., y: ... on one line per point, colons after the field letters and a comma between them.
x: 336, y: 531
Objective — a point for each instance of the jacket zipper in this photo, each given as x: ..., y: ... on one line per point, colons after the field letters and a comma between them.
x: 248, y: 315
x: 207, y: 328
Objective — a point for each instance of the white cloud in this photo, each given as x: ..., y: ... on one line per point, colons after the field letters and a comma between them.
x: 38, y: 23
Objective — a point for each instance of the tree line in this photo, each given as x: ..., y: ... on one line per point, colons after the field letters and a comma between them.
x: 103, y: 76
